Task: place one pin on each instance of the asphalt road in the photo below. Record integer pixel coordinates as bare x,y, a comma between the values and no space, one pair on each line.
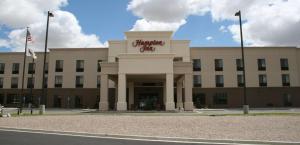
27,137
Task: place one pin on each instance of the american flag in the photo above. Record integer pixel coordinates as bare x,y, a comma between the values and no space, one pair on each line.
29,38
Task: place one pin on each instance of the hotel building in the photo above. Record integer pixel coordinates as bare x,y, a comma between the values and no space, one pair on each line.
151,71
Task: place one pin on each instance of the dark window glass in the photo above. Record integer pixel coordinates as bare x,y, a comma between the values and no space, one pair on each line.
219,81
14,82
15,68
79,81
240,80
99,66
218,65
46,82
261,64
58,81
59,65
263,80
1,82
220,99
196,64
2,68
199,100
30,82
31,68
79,65
197,81
284,64
98,81
285,79
239,65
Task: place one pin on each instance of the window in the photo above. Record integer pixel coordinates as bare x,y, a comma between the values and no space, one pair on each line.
15,68
98,81
285,79
14,82
2,68
46,68
30,82
177,59
197,80
219,81
1,82
284,63
46,82
218,64
261,64
58,81
59,65
240,79
263,80
99,66
196,65
79,81
239,65
31,68
79,65
220,99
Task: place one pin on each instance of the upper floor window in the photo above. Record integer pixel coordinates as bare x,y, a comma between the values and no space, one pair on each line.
197,80
196,64
14,82
58,81
239,65
177,59
98,81
79,81
218,64
99,66
284,63
30,82
15,68
240,80
59,65
263,80
219,81
261,64
2,68
1,82
285,79
79,65
31,68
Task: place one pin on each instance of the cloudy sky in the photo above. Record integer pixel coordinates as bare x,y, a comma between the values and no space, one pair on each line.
91,23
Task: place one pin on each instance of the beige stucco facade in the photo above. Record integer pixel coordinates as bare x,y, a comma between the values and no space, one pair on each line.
153,64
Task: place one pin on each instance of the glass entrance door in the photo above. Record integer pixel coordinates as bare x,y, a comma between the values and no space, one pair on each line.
148,101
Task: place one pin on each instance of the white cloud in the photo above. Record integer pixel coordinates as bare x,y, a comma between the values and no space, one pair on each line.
208,38
165,14
64,28
223,29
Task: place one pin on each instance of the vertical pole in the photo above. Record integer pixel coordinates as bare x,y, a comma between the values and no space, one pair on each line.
31,96
245,106
44,93
24,65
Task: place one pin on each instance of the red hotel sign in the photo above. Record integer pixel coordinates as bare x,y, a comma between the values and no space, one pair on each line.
147,45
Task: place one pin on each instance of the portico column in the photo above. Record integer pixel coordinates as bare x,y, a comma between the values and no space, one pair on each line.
179,94
170,92
103,104
188,92
122,105
131,95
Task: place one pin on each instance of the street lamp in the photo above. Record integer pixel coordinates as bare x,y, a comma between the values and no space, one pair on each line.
44,93
245,106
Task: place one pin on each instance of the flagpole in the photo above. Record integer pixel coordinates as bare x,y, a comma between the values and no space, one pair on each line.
24,65
31,86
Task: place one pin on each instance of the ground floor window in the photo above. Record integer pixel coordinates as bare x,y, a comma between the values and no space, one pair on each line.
199,100
57,101
1,99
287,100
220,99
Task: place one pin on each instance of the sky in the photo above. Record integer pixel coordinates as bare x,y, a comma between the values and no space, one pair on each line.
91,23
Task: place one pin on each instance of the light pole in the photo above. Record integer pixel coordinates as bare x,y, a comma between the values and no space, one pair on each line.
44,93
245,106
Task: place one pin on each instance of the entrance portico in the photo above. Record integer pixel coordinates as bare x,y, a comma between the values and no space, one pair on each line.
148,57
